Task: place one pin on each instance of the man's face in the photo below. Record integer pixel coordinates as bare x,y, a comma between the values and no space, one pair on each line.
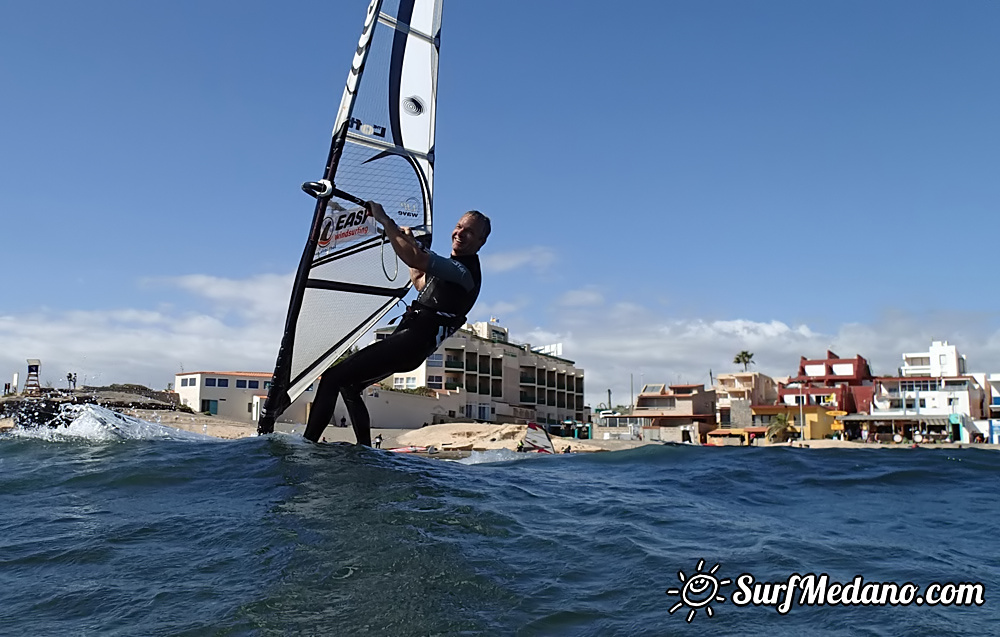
466,238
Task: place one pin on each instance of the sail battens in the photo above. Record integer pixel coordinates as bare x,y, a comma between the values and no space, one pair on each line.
389,21
382,150
375,144
343,286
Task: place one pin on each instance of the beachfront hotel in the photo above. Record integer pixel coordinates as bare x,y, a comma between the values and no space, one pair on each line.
476,374
500,381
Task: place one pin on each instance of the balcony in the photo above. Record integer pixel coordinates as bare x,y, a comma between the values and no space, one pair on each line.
527,379
453,386
527,399
471,366
453,363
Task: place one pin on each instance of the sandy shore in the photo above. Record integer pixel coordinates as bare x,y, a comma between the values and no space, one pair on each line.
459,437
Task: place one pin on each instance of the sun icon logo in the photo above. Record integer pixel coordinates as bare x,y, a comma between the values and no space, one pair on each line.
699,591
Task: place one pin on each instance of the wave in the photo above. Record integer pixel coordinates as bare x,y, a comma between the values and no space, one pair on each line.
98,424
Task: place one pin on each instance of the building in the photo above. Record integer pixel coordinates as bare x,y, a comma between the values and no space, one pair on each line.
818,421
502,381
841,384
231,395
921,409
240,396
751,388
941,360
933,399
678,413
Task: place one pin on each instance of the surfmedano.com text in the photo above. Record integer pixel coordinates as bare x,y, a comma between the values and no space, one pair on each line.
818,590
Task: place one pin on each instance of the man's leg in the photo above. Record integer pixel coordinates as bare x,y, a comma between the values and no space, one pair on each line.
401,350
323,406
360,419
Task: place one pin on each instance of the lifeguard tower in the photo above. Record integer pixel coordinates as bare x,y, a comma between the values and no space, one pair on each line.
31,385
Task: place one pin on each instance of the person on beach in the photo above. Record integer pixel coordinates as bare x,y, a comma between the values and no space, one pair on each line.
378,441
448,288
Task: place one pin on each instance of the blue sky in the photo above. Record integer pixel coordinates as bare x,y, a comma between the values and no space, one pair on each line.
670,182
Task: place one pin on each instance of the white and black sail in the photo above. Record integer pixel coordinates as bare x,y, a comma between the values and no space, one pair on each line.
537,439
382,150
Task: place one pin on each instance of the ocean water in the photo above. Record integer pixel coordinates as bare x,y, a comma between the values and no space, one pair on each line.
114,526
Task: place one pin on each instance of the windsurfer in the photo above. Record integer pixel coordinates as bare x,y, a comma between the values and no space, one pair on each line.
448,288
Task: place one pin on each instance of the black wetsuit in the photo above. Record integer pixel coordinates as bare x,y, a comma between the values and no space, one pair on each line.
451,289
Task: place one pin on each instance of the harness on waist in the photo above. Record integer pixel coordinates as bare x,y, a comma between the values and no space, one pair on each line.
418,310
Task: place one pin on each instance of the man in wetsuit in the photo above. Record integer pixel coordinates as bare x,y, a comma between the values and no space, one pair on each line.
448,288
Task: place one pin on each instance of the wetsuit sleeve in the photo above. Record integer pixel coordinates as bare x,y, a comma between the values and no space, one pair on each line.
450,270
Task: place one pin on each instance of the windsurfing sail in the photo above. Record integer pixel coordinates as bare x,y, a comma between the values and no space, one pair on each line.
382,150
537,439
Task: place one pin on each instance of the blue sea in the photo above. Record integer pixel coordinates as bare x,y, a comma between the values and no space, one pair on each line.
114,526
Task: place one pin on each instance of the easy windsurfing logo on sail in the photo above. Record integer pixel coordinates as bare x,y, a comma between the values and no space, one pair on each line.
338,227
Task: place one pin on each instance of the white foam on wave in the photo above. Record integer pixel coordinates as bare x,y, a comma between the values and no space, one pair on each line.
99,424
496,455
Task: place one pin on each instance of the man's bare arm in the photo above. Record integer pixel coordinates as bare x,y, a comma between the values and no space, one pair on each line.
402,242
418,278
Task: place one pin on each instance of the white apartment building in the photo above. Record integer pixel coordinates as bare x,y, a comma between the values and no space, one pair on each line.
935,407
233,395
942,360
501,381
241,395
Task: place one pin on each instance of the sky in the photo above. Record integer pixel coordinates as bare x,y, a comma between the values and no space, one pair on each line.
670,183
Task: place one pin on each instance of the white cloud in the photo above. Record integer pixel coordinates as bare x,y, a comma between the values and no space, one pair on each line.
580,298
621,339
610,339
536,257
150,346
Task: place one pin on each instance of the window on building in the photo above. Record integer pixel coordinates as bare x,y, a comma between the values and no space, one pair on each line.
952,402
253,384
184,382
397,382
223,382
250,408
267,384
209,382
435,360
435,382
241,384
411,382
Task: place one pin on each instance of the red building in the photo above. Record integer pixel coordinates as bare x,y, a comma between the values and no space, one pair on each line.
842,384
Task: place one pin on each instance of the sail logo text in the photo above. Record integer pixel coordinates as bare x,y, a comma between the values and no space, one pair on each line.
343,226
359,54
409,208
366,129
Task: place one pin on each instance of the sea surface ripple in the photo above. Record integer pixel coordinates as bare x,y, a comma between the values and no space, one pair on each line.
141,532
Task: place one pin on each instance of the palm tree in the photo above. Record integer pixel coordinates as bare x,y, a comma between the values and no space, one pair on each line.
744,358
780,424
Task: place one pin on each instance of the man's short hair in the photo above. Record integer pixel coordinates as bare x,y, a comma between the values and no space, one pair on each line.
482,220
